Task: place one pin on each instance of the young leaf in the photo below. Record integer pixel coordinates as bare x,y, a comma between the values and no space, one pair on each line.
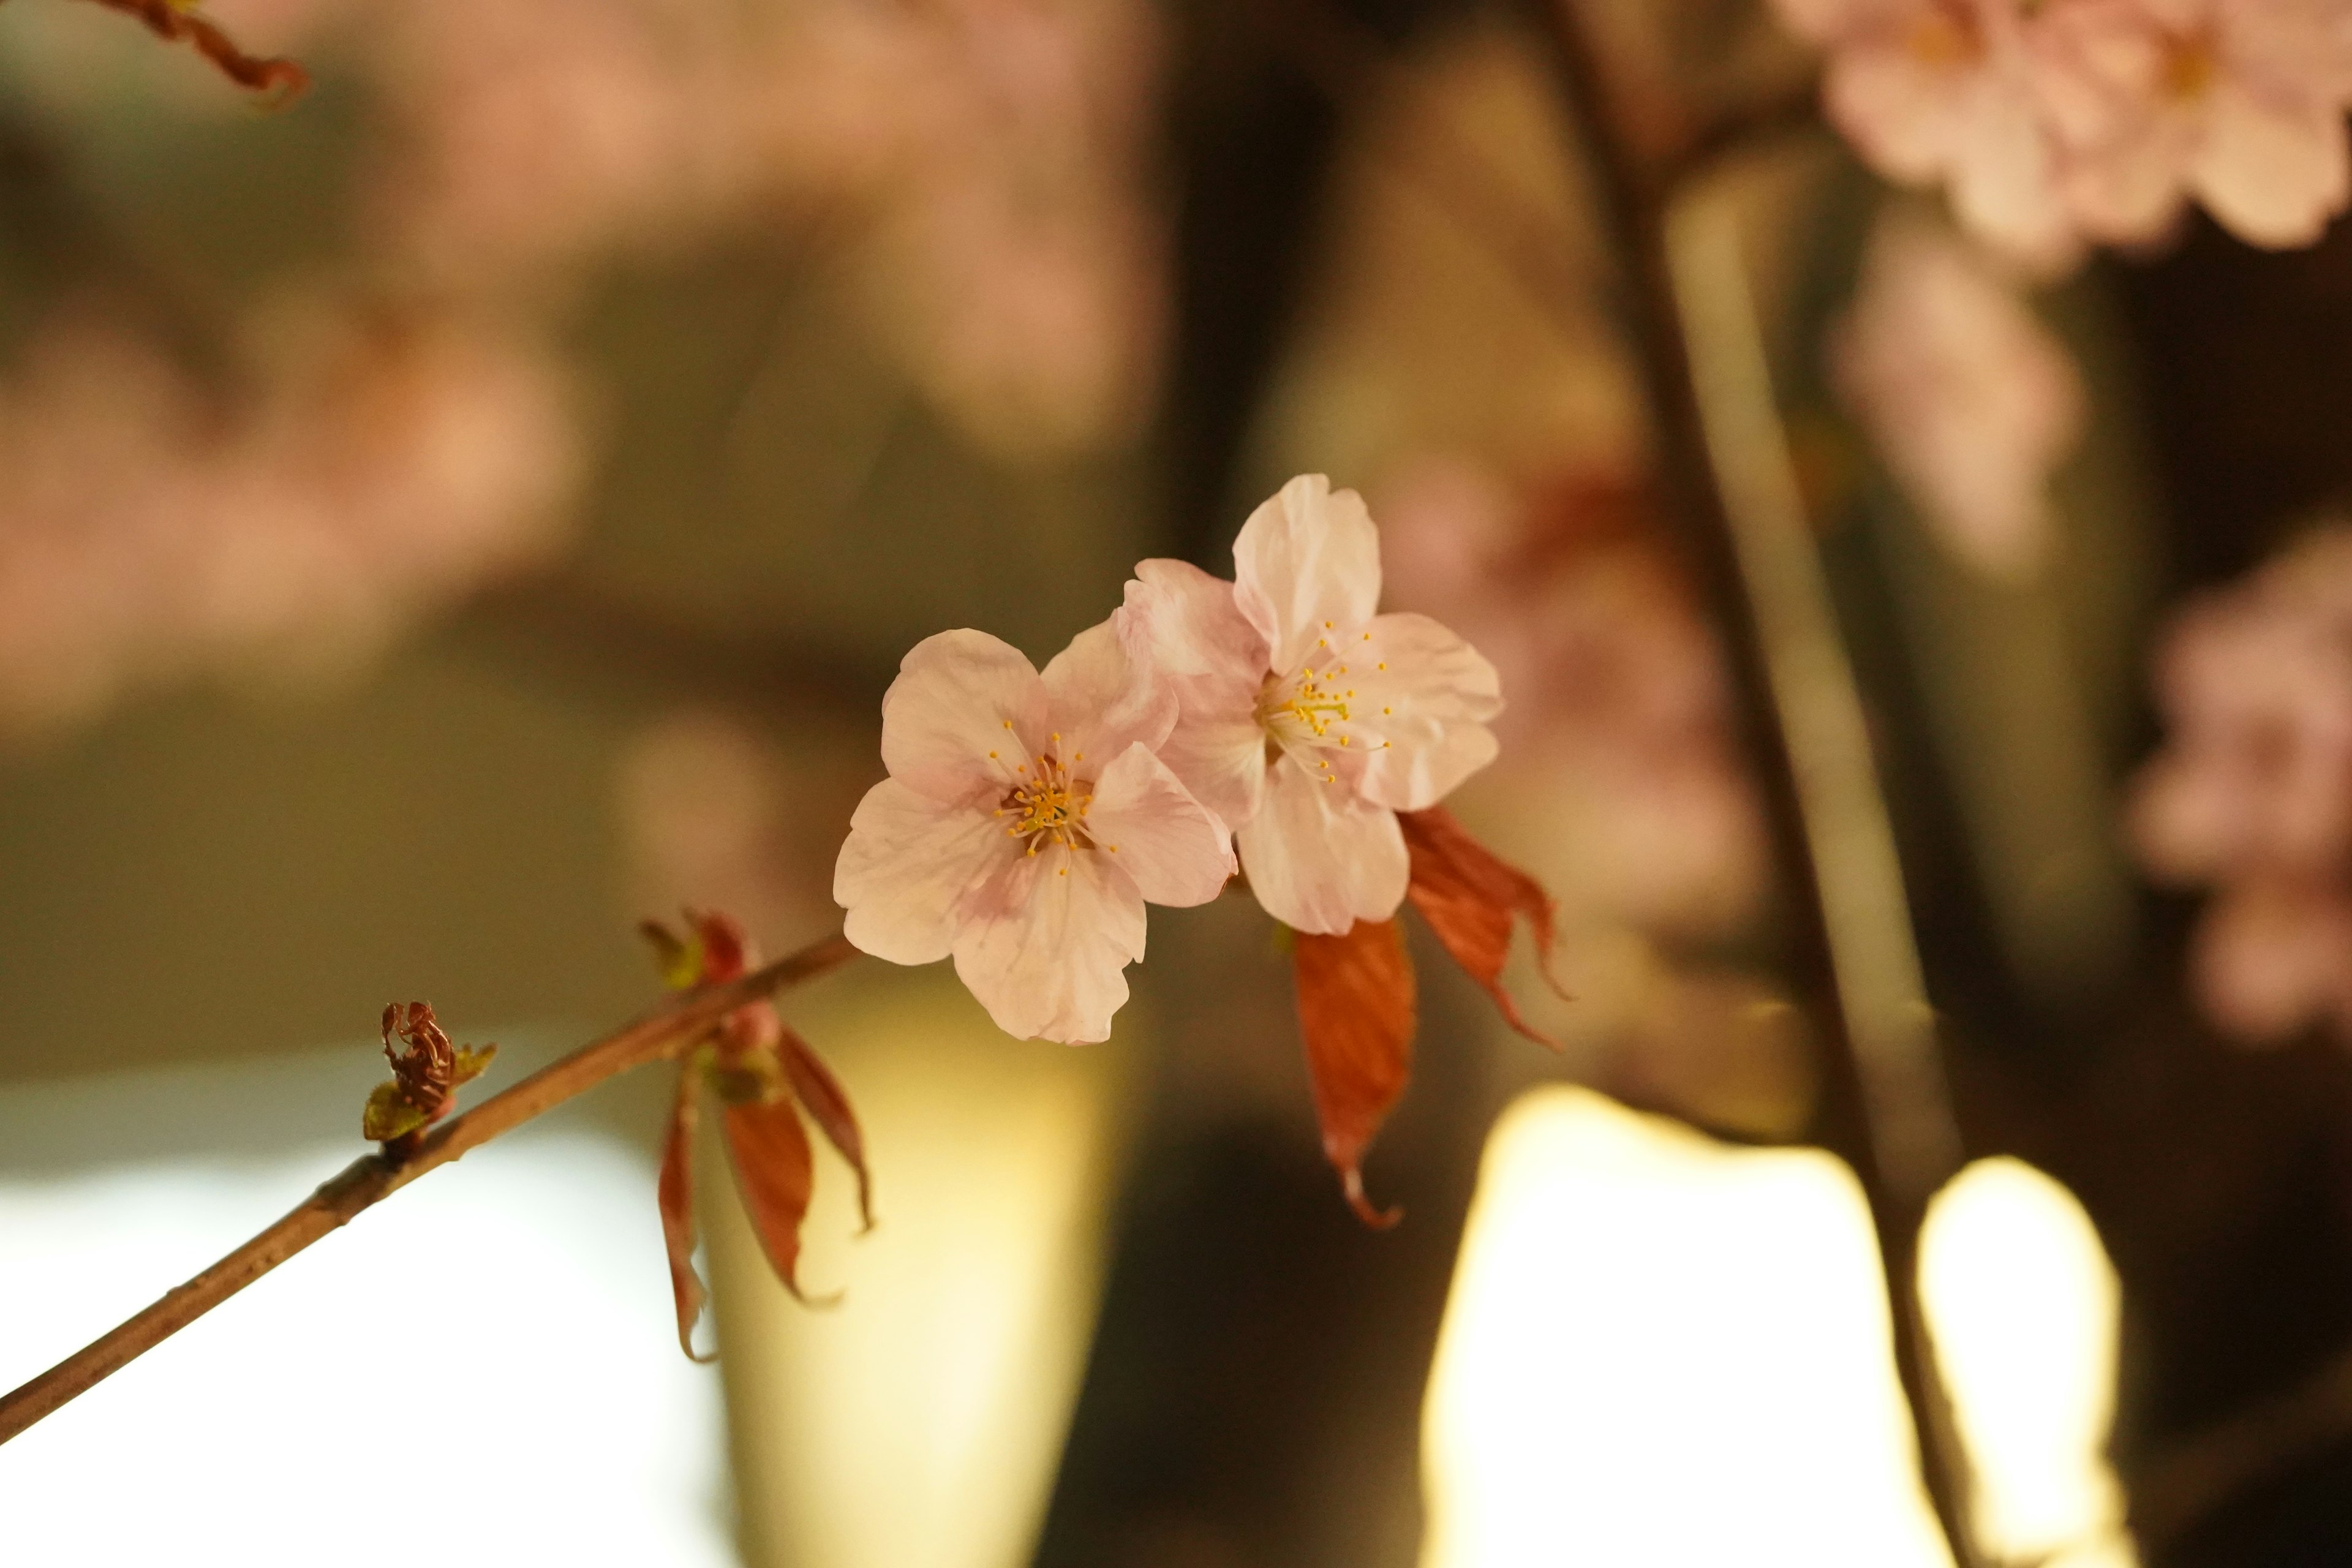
821,1095
1469,896
1355,1015
675,1193
774,1172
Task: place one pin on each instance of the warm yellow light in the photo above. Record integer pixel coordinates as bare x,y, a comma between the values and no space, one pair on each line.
922,1422
2024,1306
1662,1352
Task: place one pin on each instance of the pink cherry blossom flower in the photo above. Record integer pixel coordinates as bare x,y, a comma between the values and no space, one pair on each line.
1308,721
1971,401
1946,91
2252,792
1024,825
2237,103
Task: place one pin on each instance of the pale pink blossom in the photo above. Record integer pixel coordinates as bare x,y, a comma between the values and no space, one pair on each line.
1971,401
2252,791
1308,720
2238,104
1024,825
152,528
1946,92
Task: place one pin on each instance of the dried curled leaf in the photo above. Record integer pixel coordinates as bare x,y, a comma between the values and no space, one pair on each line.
821,1096
181,24
675,1193
1356,1013
775,1174
1469,896
759,1069
425,1077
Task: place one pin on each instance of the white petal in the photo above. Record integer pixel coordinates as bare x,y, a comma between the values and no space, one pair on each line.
1220,756
1187,624
907,863
1100,701
2273,174
1421,719
1308,556
965,708
1046,943
1320,856
1172,846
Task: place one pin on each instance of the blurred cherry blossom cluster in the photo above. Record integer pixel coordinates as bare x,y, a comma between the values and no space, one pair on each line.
1971,401
2055,124
979,165
974,167
2252,793
152,527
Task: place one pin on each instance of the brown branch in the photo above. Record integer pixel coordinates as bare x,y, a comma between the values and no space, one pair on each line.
1885,1110
282,78
2189,1481
371,1178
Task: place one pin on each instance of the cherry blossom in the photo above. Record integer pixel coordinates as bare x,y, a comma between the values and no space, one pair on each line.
1946,92
1308,721
2252,792
1024,825
2237,103
1973,402
150,527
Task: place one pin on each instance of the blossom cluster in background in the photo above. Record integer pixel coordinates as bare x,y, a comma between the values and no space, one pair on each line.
152,527
2252,793
2055,124
975,169
1970,400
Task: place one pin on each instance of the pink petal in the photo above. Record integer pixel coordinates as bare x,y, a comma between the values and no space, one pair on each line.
961,697
1099,701
1422,697
1187,622
1320,856
1306,560
906,864
1171,844
1045,945
2272,173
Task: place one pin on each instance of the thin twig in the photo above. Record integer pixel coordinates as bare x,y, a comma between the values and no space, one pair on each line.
371,1178
1635,198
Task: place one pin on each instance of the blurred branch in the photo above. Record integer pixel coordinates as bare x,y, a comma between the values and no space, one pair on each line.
174,23
371,1178
1742,128
1886,1110
576,634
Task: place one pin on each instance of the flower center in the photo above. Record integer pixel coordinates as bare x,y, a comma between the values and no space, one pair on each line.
2190,64
1944,37
1049,805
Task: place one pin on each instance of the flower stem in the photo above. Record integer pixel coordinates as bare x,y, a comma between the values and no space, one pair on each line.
371,1178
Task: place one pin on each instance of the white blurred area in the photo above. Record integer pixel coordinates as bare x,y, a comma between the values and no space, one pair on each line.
920,1424
482,1373
1660,1351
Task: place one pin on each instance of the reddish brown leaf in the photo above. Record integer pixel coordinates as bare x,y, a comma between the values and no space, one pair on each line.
821,1096
178,25
1355,1015
1469,896
775,1173
675,1194
425,1077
